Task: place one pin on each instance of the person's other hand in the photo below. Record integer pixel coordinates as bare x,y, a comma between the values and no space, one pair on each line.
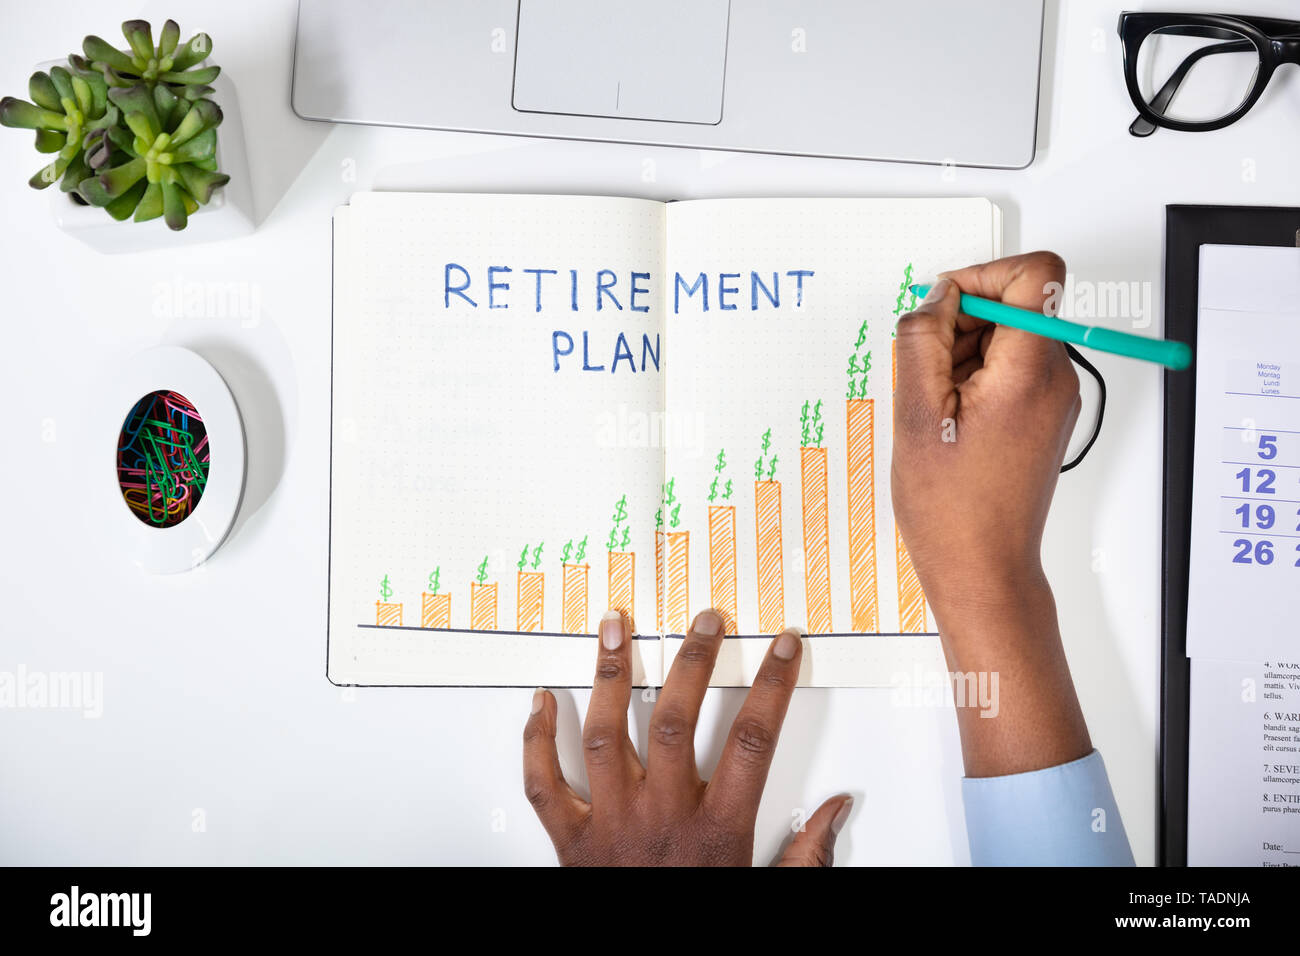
663,813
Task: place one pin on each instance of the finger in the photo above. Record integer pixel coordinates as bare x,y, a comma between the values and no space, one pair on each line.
734,791
1032,281
814,845
612,764
925,341
557,806
671,776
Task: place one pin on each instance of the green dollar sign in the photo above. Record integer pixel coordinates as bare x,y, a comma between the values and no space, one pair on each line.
627,537
866,363
620,511
612,543
726,495
523,558
771,473
767,440
482,570
820,429
713,490
537,556
434,578
582,550
722,461
564,552
676,516
385,591
853,364
758,468
862,335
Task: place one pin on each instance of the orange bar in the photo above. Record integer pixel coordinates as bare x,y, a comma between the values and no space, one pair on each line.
530,589
816,540
622,585
861,457
388,615
771,573
722,563
482,606
435,610
659,581
576,601
678,602
911,600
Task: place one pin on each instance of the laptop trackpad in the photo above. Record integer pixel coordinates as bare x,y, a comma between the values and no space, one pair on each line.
629,59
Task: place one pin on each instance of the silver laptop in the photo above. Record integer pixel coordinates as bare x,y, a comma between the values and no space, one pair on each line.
926,81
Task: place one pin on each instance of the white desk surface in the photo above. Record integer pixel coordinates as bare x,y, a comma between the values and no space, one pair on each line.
226,715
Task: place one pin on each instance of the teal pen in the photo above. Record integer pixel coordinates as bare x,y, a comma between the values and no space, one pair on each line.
1174,355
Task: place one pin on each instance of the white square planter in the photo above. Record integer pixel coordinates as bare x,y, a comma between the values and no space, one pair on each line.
227,215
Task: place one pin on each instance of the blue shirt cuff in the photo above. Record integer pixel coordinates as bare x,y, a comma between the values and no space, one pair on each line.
1059,816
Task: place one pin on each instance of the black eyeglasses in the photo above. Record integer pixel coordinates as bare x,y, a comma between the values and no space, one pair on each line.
1192,72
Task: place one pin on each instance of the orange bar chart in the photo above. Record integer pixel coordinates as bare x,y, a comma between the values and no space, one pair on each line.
659,580
677,602
722,564
529,592
482,606
622,584
861,459
576,600
816,539
771,573
388,615
435,610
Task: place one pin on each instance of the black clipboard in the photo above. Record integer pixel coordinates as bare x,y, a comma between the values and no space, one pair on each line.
1187,228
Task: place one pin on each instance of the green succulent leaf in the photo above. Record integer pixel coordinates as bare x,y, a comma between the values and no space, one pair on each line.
20,114
98,50
62,81
139,34
41,89
171,34
49,174
121,207
49,141
196,50
118,180
203,115
81,92
195,92
191,77
151,202
173,206
203,146
200,183
166,102
77,171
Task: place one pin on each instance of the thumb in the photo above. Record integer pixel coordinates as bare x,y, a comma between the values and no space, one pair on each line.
814,845
924,341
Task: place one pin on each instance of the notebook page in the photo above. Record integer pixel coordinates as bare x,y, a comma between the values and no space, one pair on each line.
784,395
1244,581
495,460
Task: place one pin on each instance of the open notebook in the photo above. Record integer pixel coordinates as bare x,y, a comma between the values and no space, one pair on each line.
546,406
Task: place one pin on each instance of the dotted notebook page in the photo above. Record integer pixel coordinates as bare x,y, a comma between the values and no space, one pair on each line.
782,328
1244,583
496,467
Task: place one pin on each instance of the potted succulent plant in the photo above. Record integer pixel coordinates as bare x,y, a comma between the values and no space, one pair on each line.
134,135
